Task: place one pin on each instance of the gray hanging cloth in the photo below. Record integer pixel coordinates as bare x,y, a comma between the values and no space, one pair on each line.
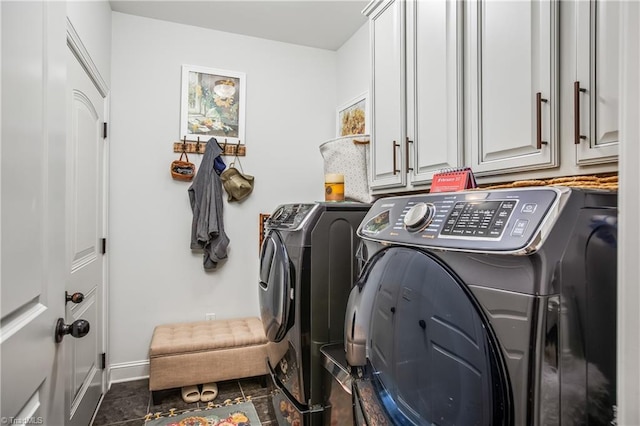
205,195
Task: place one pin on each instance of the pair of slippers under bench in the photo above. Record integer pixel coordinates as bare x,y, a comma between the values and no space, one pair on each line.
194,394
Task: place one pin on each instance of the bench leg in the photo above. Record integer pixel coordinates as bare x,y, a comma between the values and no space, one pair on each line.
155,397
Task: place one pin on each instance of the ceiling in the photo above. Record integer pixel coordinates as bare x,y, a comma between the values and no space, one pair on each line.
325,24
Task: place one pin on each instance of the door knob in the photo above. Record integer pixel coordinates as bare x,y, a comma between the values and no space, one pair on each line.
78,328
75,297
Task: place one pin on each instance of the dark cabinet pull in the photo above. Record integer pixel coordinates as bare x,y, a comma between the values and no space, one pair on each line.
395,145
539,101
407,153
577,137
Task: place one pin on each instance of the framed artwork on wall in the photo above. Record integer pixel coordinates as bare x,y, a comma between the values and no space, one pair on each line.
213,104
353,117
262,224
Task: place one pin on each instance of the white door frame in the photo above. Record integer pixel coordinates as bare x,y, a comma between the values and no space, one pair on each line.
628,388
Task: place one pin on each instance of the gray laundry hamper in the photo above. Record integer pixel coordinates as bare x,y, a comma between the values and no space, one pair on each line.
349,156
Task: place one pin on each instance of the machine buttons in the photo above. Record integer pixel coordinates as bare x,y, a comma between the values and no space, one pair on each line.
485,218
495,233
529,208
419,216
519,228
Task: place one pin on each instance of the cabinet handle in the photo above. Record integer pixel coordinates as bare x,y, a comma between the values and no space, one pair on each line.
576,113
539,101
395,145
407,153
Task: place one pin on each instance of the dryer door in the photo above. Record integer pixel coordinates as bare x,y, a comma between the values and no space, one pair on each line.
275,286
434,356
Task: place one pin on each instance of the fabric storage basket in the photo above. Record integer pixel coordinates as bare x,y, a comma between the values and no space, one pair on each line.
349,156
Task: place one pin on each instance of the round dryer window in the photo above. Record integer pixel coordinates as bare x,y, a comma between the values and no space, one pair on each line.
435,356
274,287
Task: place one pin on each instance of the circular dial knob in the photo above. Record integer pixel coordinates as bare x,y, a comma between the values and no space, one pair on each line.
419,216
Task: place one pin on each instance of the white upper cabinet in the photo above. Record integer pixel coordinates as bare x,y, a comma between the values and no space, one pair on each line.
511,75
416,100
596,103
477,83
388,102
434,80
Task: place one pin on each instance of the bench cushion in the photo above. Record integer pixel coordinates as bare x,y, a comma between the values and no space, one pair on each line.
201,336
206,351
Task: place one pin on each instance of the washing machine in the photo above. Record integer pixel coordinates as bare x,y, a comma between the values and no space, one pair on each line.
308,265
492,307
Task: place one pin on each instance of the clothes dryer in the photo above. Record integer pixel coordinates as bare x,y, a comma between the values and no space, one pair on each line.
307,268
486,308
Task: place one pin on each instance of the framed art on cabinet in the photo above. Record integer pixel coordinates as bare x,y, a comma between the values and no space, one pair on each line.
353,117
213,104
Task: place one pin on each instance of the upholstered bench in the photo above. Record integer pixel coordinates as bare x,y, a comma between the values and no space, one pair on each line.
206,351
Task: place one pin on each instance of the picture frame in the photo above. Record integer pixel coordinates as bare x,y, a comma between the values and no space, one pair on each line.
353,117
212,104
262,225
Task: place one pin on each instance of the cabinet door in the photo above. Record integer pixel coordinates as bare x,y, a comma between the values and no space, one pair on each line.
388,102
434,82
512,74
596,92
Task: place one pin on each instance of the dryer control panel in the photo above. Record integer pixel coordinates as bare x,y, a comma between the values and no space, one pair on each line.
290,216
506,221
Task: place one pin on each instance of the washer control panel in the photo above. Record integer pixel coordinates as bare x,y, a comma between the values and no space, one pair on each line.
290,216
500,220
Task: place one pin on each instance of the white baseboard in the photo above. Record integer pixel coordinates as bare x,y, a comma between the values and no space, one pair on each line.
127,371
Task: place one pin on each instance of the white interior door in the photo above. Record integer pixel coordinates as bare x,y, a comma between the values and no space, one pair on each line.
32,211
84,202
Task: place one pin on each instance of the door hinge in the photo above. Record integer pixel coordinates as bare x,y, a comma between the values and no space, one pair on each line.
104,130
104,245
103,360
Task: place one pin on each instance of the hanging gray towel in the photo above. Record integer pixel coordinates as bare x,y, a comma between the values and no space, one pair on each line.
205,195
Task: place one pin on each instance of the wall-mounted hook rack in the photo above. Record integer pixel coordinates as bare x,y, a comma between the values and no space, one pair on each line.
228,149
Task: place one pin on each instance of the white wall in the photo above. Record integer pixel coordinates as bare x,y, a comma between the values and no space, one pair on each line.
92,22
154,276
354,66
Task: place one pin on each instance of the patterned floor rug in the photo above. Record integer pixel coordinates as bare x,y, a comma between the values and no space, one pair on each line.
240,414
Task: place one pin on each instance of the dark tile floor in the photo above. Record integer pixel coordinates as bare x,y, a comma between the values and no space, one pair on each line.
127,403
